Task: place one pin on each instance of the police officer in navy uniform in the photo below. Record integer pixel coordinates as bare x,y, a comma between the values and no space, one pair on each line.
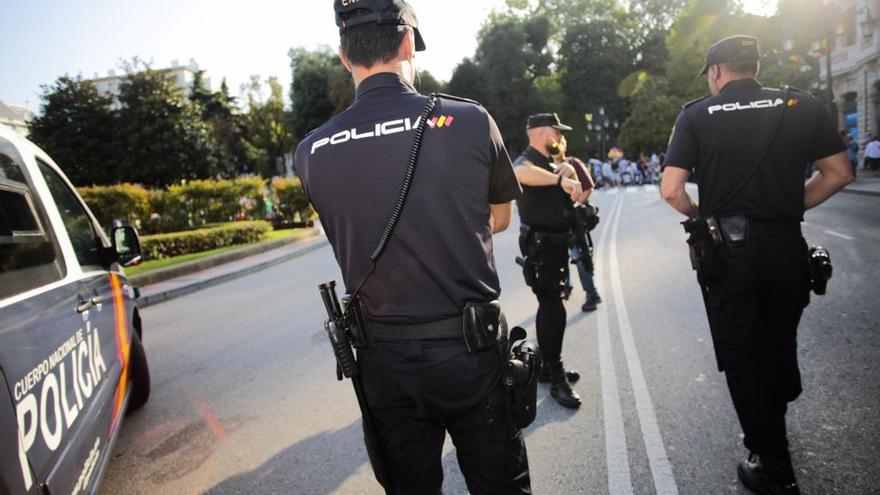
747,146
545,210
420,379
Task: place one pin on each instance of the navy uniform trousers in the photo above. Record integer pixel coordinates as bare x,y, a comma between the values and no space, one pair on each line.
754,309
417,390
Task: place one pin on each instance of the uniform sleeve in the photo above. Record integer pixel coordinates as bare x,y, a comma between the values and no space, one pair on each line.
826,139
503,185
682,150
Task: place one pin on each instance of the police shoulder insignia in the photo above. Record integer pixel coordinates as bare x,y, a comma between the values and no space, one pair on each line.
456,98
694,101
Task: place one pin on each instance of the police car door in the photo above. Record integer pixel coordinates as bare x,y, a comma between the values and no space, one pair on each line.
38,300
101,340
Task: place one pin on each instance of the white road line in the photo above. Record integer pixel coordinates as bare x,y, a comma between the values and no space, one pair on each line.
661,469
838,234
616,456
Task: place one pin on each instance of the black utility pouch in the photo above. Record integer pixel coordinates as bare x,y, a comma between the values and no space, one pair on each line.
483,326
735,231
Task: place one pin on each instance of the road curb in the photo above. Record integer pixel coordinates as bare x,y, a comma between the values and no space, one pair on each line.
145,301
862,192
188,268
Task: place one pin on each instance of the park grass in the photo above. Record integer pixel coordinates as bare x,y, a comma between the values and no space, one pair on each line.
152,265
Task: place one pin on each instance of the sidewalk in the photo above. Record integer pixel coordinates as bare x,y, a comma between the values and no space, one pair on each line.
187,284
867,182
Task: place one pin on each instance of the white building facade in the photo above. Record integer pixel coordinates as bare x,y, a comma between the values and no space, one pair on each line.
855,66
15,117
182,75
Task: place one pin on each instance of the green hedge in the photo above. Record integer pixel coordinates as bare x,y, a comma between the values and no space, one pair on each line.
198,203
161,246
126,202
292,203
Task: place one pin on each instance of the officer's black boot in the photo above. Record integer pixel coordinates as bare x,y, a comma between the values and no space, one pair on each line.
572,375
768,475
560,388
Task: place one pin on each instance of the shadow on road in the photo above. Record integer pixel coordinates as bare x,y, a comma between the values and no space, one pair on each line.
317,465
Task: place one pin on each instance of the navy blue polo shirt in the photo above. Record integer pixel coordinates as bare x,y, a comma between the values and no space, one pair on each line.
720,138
440,255
545,208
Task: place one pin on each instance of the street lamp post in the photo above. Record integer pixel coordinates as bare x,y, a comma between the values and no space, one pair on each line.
602,124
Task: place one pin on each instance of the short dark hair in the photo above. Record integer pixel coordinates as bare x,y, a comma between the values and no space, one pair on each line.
370,43
742,67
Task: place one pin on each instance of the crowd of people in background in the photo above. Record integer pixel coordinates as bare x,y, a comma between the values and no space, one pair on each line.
871,147
617,170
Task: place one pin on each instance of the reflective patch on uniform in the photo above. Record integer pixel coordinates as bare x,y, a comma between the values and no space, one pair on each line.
752,105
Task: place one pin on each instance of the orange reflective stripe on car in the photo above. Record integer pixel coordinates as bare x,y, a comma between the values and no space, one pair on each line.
123,346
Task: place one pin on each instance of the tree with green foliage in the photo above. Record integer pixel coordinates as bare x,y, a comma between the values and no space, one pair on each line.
220,111
267,131
76,126
321,88
593,59
511,55
163,138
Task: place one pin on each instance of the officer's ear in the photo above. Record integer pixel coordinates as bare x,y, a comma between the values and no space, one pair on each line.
407,48
345,62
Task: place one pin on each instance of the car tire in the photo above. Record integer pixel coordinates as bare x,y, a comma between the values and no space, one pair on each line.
139,372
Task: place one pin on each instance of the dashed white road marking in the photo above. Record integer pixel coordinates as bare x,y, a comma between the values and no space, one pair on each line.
838,234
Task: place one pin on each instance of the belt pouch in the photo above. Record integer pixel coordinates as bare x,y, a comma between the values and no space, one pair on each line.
735,230
483,326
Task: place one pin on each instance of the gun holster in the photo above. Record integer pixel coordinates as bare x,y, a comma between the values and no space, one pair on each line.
704,241
357,325
531,267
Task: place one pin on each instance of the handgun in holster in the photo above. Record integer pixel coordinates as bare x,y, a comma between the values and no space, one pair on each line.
704,241
346,327
485,327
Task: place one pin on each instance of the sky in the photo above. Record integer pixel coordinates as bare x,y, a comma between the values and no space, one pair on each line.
44,39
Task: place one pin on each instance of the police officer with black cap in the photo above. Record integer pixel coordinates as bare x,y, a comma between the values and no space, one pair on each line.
417,257
545,210
747,146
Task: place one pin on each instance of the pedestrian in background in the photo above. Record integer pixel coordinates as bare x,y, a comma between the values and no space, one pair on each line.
852,150
872,153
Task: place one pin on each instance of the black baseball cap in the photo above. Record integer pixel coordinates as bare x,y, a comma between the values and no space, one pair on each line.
396,12
546,120
739,48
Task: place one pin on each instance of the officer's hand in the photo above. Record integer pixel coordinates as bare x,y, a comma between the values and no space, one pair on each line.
566,170
572,187
583,197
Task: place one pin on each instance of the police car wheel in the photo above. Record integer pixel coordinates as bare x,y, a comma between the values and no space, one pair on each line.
140,375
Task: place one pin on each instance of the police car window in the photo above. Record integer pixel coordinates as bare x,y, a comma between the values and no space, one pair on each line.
29,254
79,225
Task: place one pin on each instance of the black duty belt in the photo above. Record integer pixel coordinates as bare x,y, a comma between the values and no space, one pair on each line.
450,328
550,237
758,229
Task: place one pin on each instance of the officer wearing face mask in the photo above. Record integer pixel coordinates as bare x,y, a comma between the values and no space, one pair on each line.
549,193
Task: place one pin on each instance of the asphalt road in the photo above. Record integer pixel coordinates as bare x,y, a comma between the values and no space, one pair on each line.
245,398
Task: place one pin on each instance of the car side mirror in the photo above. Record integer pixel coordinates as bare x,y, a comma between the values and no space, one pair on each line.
126,246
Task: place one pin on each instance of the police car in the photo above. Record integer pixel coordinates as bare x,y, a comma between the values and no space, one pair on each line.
71,359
